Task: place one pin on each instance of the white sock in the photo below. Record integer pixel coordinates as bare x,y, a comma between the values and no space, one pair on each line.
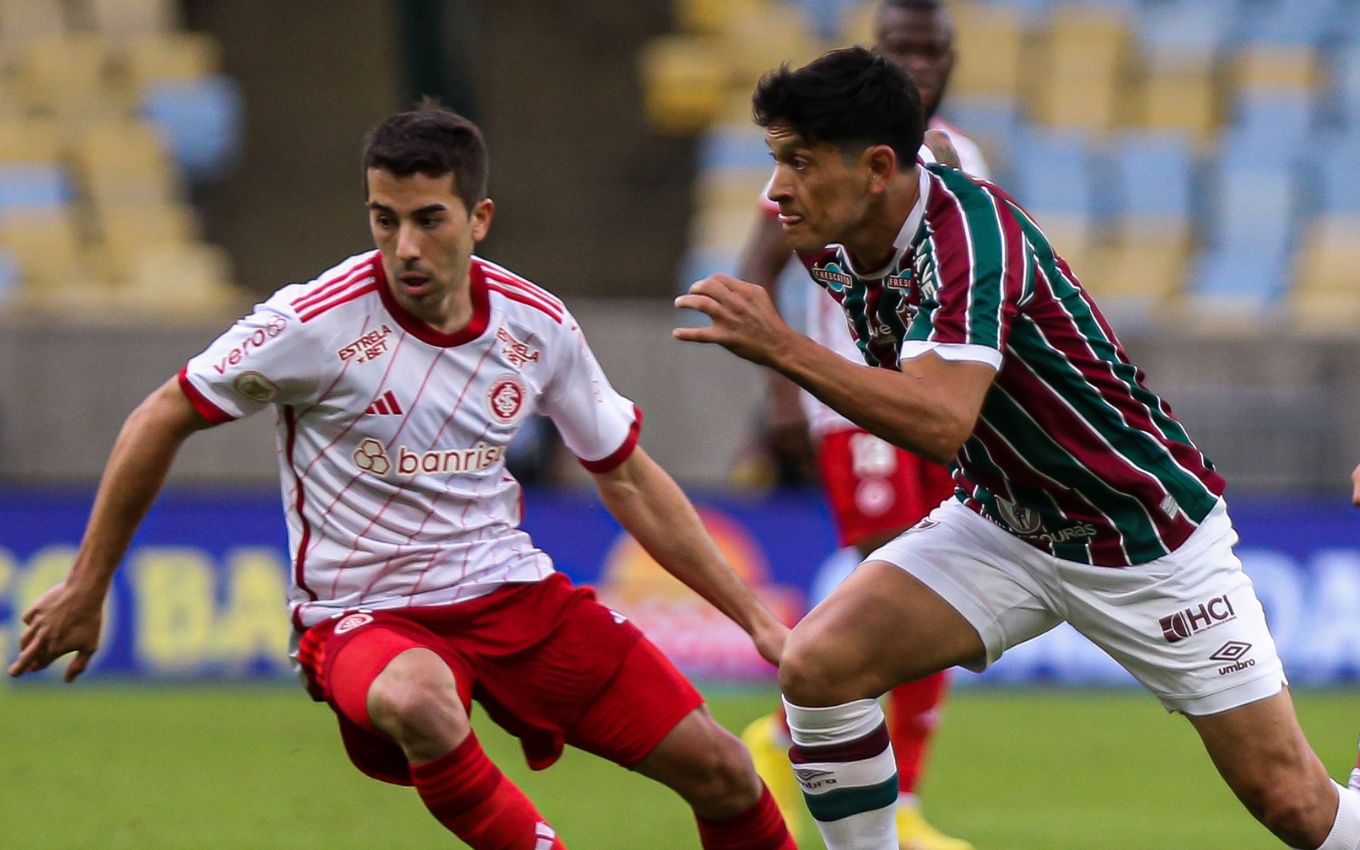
1345,834
844,763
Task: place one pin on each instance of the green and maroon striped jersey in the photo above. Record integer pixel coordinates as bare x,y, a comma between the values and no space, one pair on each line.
1071,453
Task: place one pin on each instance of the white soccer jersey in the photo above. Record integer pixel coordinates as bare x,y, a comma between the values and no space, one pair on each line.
825,320
392,436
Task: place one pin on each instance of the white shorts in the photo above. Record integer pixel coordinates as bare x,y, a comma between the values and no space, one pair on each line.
1188,625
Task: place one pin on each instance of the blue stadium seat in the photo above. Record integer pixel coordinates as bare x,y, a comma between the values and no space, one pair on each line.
1154,175
1187,28
1294,22
733,146
1243,277
1269,128
1344,95
992,121
1055,171
27,185
1338,174
201,120
1256,210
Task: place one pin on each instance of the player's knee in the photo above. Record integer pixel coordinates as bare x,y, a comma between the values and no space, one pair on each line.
809,674
724,780
417,705
1294,811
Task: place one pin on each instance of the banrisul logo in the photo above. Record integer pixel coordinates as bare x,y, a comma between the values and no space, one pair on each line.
832,276
1192,621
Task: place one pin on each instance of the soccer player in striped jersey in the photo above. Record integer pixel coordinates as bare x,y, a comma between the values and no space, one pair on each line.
875,489
399,377
1078,495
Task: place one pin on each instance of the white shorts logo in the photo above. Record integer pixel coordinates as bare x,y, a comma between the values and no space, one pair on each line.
1024,520
350,622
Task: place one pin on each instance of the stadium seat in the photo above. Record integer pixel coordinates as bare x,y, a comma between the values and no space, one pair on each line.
734,146
1054,172
1255,211
22,21
711,17
48,247
24,139
857,23
180,56
730,189
123,18
1338,174
990,45
1235,286
1137,277
33,186
1186,33
684,79
1288,67
759,39
68,76
200,119
180,278
125,231
1181,98
1325,294
1153,181
125,163
1294,23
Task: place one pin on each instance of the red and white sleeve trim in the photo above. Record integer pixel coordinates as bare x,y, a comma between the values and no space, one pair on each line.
201,403
613,460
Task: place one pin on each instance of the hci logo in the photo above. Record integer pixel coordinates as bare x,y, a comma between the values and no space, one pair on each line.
1191,621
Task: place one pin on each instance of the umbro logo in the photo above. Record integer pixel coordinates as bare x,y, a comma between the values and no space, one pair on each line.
385,405
811,777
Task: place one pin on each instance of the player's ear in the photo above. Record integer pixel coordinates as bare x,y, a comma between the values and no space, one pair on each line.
881,162
482,213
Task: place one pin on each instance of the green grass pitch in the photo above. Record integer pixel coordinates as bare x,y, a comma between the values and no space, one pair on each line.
100,767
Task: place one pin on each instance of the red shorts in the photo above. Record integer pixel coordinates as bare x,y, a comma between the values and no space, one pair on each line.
874,487
548,663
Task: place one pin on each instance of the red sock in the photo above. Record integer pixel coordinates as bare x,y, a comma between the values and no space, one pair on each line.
760,827
911,719
476,802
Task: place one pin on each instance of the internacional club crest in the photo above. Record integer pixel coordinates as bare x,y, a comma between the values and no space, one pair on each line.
505,399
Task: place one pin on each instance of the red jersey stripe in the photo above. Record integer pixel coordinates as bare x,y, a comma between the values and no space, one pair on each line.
201,403
344,298
524,298
506,276
622,453
299,565
325,289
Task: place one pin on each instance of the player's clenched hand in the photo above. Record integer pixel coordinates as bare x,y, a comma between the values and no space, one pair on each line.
1355,485
745,320
65,619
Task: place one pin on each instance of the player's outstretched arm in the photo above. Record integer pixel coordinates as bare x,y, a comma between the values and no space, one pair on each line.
651,506
1355,487
929,407
67,618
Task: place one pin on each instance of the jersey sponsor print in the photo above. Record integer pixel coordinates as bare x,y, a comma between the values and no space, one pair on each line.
392,435
1072,452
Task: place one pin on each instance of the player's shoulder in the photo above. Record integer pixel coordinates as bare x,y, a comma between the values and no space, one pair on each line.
344,283
518,300
971,159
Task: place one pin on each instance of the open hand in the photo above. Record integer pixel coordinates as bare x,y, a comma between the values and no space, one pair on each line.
64,619
745,320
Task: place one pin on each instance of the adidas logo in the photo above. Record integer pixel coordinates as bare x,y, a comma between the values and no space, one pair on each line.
385,405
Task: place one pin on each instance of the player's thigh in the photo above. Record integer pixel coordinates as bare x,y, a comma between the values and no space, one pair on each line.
952,590
646,700
1188,626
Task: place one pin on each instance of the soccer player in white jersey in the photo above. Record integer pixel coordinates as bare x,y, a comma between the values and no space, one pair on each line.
399,376
875,490
1079,496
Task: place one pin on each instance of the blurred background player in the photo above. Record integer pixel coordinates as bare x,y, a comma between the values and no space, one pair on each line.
875,489
400,376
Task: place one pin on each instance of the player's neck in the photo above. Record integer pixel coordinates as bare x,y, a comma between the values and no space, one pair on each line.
448,315
873,243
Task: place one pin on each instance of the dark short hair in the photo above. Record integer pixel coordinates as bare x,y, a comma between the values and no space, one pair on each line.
432,141
849,98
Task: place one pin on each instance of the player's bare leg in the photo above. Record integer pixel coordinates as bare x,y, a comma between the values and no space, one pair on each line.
415,701
1261,752
879,628
707,766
